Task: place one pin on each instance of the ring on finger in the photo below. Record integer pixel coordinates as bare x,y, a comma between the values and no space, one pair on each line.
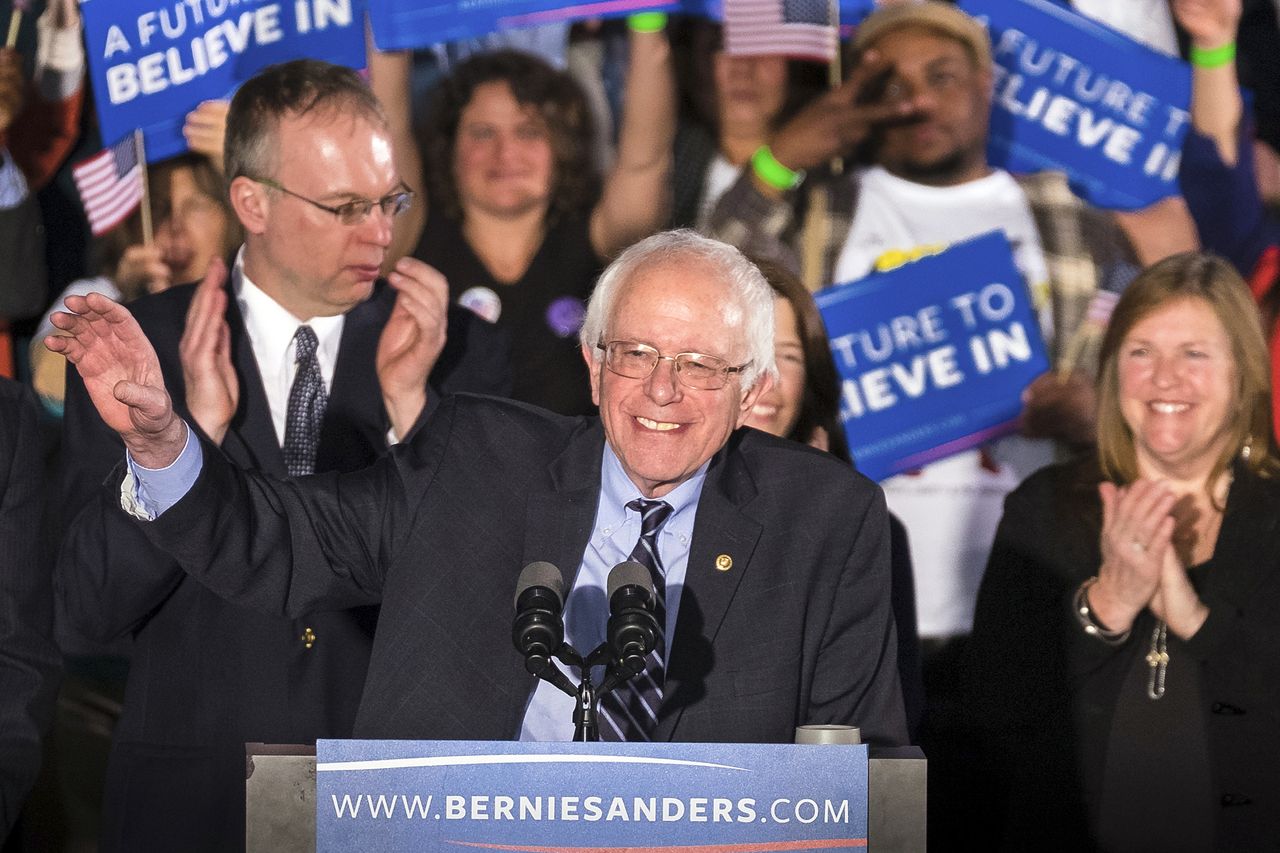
1137,546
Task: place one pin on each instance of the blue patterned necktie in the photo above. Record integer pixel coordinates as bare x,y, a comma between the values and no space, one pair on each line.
630,712
307,402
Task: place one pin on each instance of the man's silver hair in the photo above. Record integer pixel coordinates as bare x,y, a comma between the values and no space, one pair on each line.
752,311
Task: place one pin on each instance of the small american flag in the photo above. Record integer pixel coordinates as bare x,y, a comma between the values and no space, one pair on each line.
110,184
801,29
1100,307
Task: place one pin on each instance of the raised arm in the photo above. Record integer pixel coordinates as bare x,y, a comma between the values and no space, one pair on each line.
389,78
637,192
1216,106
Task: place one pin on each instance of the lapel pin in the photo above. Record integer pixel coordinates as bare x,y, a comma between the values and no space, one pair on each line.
724,563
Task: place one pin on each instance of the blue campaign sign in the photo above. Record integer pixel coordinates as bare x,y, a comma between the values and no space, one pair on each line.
408,24
443,795
933,356
153,61
1073,95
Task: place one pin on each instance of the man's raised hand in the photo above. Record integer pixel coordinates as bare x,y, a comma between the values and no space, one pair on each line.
122,375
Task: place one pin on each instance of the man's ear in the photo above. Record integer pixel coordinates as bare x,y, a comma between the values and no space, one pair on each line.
593,370
763,383
249,201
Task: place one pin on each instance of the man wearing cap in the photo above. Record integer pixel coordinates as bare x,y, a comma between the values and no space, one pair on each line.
918,101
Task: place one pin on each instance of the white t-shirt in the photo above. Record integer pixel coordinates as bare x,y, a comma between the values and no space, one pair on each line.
951,508
721,174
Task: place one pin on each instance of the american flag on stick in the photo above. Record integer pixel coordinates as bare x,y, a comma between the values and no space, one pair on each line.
111,184
15,19
801,29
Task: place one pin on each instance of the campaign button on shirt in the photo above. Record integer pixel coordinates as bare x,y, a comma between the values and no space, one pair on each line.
483,302
565,316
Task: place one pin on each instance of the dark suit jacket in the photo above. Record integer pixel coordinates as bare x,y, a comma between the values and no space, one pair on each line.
207,676
798,630
29,661
1045,693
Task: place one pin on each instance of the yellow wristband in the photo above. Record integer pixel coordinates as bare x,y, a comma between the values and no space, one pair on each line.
767,168
1214,57
647,22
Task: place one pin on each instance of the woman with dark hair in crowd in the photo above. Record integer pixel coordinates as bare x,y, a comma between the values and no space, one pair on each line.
731,106
804,405
194,224
1126,648
518,219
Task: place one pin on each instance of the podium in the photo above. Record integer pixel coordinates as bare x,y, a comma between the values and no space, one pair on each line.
280,798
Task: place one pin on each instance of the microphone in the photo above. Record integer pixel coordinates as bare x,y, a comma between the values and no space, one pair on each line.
633,630
538,630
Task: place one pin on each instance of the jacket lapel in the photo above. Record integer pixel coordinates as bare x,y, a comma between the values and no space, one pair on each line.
558,520
251,440
354,431
721,530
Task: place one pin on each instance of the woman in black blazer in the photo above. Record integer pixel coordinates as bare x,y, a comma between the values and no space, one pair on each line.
1125,659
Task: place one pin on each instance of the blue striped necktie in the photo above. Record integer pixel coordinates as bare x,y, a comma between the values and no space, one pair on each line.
630,712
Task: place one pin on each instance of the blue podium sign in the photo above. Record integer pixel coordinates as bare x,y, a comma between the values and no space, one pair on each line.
444,795
933,356
153,62
1072,95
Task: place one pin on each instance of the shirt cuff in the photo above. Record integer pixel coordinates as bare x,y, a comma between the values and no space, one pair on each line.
13,185
146,493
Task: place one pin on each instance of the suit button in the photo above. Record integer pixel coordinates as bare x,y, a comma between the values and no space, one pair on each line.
308,638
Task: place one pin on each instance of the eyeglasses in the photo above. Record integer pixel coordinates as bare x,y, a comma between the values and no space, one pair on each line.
354,212
636,361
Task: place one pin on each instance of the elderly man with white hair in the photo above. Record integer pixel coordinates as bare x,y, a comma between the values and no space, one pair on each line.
770,559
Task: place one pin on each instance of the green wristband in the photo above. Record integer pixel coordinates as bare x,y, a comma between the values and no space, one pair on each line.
767,168
1215,57
647,22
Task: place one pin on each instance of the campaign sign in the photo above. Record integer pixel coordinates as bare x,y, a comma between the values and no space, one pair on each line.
153,61
1072,95
445,795
408,24
933,356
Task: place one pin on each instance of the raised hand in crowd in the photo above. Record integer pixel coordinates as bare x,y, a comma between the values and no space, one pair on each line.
836,123
142,269
1061,407
1137,539
205,130
412,340
122,375
213,391
12,86
1216,106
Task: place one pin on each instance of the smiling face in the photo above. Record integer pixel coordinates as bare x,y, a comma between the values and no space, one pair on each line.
778,409
661,429
1177,381
943,140
503,161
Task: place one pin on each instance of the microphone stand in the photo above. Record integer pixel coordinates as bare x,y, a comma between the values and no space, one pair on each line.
586,725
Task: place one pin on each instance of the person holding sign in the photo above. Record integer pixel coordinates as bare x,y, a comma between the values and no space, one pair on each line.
295,360
775,557
518,222
1124,652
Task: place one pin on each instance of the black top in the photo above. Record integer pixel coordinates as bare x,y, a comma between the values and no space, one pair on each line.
542,311
1061,728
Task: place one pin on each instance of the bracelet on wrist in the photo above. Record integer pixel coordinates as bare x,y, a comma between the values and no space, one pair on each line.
647,22
767,168
1213,57
1089,622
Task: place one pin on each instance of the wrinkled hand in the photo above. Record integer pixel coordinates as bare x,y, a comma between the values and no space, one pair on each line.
205,129
1176,600
142,270
12,87
1137,536
836,123
122,375
1064,408
412,340
213,391
1210,23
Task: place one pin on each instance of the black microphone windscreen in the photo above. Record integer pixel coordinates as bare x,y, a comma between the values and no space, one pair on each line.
629,573
543,574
